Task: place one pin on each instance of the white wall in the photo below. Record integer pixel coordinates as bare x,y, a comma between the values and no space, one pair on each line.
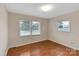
70,39
3,30
14,38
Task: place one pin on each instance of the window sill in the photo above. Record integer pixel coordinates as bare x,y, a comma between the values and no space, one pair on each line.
30,35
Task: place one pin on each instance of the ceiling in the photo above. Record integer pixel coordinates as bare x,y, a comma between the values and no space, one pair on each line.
33,9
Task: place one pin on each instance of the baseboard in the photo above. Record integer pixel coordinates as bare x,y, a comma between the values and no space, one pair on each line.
46,40
65,45
26,44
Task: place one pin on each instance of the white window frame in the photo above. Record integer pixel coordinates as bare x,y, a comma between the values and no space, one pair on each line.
29,28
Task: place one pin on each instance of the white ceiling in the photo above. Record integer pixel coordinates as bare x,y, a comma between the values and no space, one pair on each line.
33,9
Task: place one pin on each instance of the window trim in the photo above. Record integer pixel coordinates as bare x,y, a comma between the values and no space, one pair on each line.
30,28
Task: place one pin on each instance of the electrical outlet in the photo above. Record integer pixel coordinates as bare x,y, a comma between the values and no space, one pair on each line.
72,42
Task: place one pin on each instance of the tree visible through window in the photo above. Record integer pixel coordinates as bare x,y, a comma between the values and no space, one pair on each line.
35,28
64,26
24,28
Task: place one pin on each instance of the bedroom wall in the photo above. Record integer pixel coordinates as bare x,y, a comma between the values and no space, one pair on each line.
3,30
70,39
14,38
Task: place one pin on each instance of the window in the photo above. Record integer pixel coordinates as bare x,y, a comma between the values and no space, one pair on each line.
24,28
64,26
29,28
35,28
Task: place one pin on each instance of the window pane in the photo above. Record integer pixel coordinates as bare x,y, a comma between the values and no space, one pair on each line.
64,26
24,28
35,28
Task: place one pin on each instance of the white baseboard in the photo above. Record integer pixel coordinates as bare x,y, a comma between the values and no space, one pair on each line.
65,45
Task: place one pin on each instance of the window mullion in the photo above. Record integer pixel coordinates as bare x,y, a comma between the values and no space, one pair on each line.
31,28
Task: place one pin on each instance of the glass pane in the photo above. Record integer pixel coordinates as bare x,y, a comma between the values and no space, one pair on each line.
35,28
24,28
64,26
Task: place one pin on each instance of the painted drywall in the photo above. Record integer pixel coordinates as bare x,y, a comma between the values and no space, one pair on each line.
16,40
70,39
3,30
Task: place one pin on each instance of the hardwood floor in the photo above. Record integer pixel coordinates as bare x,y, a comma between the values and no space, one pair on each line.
43,48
